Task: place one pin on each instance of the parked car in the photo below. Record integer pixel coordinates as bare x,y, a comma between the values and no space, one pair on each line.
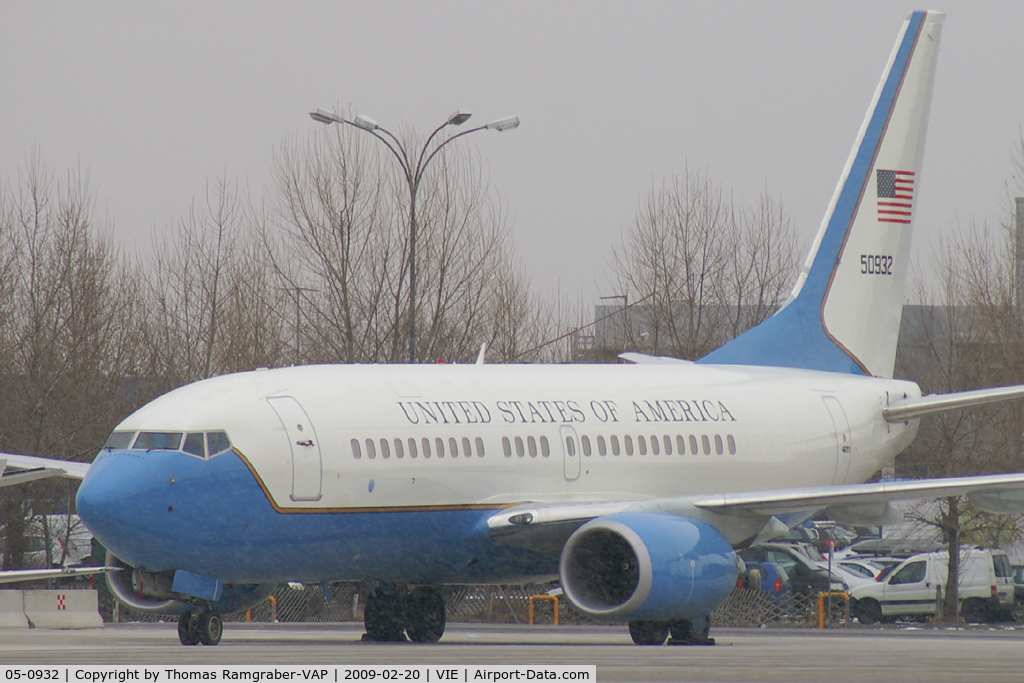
771,578
913,587
805,576
866,568
850,578
1017,612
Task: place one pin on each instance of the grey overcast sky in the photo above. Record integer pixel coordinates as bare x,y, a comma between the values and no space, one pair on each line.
153,99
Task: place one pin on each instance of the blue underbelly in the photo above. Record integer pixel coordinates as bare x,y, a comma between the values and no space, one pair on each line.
167,510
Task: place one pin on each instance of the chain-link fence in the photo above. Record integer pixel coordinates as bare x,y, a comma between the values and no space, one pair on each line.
307,602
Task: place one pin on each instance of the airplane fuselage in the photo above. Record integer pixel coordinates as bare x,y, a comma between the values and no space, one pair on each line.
390,472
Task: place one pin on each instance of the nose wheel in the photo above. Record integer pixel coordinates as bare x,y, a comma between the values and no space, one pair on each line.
196,627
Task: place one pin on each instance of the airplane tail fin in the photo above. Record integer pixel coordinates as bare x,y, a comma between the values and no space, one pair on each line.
844,312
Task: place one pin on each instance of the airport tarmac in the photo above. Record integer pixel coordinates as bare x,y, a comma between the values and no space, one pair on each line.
890,654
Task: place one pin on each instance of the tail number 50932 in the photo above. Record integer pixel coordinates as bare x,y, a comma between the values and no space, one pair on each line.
876,264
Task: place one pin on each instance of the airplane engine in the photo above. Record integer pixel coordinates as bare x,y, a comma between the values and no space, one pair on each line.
151,592
647,566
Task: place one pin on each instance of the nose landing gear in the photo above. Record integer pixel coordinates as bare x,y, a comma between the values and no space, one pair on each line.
200,626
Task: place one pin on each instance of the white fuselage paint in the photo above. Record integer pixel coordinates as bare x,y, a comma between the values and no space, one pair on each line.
785,432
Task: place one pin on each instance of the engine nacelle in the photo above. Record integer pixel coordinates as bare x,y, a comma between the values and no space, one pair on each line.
152,593
141,590
647,566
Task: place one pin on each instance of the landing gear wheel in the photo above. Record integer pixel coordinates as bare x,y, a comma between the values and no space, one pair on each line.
691,631
648,632
424,615
384,618
187,632
210,628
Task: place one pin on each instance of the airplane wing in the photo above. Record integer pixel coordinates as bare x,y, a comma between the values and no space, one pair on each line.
16,575
545,526
18,469
910,408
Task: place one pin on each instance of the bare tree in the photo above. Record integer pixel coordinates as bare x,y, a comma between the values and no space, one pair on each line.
339,234
968,339
68,332
706,269
212,307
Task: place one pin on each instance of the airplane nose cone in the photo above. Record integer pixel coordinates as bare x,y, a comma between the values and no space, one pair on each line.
113,500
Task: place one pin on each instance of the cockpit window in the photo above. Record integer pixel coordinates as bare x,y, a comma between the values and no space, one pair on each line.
158,441
118,441
194,445
218,443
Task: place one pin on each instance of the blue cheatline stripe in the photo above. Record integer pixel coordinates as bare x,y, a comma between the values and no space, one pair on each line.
796,337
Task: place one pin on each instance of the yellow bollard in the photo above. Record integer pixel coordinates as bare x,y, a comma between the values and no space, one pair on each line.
553,598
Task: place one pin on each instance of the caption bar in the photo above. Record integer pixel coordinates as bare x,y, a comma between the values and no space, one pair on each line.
313,674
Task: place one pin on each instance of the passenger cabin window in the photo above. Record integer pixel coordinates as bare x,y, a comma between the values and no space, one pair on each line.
680,445
399,450
520,450
641,443
412,448
439,446
158,441
545,448
426,447
531,445
655,447
627,442
706,443
385,450
371,450
615,444
585,443
693,445
453,447
719,449
356,452
668,445
506,446
466,450
119,441
479,447
732,444
570,445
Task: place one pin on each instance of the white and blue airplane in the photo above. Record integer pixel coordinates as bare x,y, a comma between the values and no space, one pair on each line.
629,484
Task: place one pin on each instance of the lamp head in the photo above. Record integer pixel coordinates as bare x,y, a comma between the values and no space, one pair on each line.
325,116
459,117
366,123
507,123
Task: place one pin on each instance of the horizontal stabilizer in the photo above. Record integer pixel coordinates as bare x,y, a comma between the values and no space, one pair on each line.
932,404
644,359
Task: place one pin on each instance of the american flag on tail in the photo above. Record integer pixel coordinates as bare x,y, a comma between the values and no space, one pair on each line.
895,196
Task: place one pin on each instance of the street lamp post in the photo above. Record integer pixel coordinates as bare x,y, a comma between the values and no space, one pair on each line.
413,176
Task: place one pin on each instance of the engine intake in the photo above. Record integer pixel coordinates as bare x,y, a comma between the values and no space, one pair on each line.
152,593
647,566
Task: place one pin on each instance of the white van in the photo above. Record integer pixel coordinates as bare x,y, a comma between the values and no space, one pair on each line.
913,588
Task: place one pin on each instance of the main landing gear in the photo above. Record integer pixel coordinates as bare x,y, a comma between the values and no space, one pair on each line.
200,626
684,631
391,614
